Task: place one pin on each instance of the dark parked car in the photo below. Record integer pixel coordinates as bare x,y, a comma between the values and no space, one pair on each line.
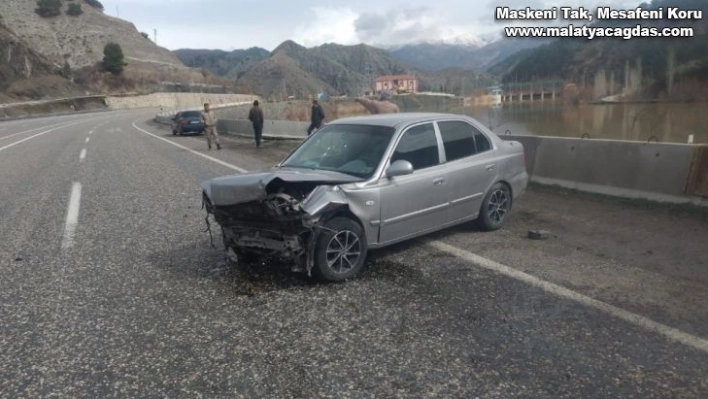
368,182
187,122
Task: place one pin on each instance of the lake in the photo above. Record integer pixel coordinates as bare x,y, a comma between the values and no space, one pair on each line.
662,122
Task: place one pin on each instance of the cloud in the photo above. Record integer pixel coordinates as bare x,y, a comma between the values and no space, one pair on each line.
402,25
328,25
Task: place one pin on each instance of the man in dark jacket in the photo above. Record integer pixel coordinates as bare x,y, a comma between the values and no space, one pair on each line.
316,118
256,117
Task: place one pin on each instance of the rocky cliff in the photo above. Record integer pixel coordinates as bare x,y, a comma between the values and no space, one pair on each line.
79,38
26,74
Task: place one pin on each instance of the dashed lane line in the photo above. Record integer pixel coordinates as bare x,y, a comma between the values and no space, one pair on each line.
82,155
72,216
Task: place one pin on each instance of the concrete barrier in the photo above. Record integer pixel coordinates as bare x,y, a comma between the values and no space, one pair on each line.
653,171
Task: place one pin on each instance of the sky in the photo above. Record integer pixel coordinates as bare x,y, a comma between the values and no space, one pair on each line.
239,24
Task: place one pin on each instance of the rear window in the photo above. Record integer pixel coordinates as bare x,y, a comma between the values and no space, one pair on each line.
191,114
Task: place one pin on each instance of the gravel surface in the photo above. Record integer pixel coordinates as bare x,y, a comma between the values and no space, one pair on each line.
144,306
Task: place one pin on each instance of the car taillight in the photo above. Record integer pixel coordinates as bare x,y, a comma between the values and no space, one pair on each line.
183,122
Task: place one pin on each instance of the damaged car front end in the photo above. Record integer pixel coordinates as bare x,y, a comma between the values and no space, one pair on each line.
277,213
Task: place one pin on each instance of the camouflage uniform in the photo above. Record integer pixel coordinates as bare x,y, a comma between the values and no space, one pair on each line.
209,120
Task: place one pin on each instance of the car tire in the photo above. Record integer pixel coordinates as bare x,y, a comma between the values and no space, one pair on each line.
179,132
174,132
495,208
340,251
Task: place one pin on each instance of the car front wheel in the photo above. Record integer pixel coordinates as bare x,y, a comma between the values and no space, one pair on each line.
340,251
495,208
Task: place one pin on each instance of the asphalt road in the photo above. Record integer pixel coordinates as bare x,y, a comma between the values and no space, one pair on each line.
109,287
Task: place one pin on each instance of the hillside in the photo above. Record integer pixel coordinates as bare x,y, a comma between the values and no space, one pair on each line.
80,39
294,70
24,74
222,63
437,56
642,68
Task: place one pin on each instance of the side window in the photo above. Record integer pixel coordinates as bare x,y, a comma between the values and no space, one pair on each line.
458,139
462,139
419,147
481,141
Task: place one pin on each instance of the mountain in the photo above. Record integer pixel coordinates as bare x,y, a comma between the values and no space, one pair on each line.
332,68
643,67
292,69
79,40
437,56
222,63
24,73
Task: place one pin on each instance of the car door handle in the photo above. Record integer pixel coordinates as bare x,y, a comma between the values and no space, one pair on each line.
439,180
491,167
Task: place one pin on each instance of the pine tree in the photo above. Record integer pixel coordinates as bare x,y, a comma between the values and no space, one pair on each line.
113,59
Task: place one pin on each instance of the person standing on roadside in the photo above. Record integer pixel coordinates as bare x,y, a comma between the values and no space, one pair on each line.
209,120
317,116
255,115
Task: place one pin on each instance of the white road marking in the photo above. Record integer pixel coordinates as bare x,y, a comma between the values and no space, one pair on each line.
72,216
87,139
31,130
82,155
36,135
220,162
90,132
633,318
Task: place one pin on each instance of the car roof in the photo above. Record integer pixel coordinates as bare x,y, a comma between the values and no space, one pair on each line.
396,119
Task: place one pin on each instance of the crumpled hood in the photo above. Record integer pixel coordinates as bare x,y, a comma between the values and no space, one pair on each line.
251,186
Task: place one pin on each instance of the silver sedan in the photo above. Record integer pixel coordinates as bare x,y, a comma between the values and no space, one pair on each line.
367,182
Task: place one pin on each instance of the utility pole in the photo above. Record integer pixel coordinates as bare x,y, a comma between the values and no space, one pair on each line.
369,70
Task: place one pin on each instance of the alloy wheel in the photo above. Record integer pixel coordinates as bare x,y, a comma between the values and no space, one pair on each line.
498,206
343,251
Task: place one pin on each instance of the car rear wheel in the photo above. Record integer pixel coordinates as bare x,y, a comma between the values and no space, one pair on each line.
340,251
495,208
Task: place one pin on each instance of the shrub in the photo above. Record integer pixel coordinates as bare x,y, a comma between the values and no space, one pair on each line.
48,8
74,9
65,70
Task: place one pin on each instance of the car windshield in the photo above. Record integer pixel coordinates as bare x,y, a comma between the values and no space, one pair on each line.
352,149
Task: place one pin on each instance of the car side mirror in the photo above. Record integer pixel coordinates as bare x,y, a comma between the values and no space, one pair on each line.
399,168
